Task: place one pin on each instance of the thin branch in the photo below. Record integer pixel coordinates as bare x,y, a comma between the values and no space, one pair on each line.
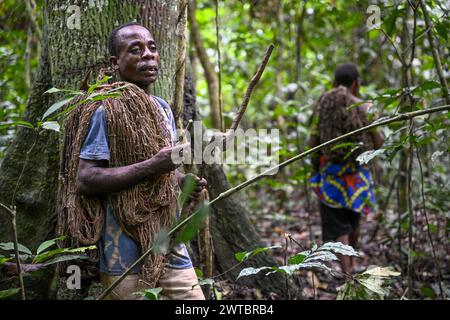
177,101
250,88
393,45
435,52
424,211
12,211
219,64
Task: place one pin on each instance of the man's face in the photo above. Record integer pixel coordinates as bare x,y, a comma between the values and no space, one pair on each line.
138,58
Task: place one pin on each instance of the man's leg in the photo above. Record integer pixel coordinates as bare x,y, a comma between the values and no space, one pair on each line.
346,261
177,284
124,290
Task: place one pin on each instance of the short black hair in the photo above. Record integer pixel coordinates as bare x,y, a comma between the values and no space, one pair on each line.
346,74
113,40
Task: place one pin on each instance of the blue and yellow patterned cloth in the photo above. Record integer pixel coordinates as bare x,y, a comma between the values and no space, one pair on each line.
347,185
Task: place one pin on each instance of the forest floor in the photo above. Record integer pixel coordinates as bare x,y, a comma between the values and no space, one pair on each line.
378,245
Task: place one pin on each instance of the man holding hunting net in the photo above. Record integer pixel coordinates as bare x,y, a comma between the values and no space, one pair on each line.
118,181
344,187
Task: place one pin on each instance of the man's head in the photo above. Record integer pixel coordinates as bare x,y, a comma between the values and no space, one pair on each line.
347,75
134,55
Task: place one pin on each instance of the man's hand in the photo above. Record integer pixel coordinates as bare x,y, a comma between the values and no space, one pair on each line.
200,184
170,158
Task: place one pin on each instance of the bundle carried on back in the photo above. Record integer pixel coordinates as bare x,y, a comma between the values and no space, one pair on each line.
336,119
136,133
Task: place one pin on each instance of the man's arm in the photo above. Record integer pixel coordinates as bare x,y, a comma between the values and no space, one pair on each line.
94,177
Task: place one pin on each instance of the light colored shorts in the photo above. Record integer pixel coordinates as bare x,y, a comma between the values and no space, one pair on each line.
176,284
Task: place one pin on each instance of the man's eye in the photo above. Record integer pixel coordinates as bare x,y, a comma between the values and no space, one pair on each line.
135,50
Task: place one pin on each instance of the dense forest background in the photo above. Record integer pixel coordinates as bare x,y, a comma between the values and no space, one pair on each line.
401,49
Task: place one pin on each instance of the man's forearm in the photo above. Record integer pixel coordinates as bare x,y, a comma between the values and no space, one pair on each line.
93,179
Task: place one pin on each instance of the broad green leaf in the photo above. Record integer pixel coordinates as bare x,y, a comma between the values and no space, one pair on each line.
152,294
366,156
56,90
250,271
204,282
62,258
47,244
242,256
3,260
51,125
193,225
9,246
338,247
103,96
198,273
49,254
375,285
8,293
343,145
58,105
381,272
161,242
189,185
298,257
426,86
16,123
98,83
290,269
321,255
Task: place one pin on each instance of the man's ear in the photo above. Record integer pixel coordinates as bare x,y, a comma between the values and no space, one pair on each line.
113,62
355,88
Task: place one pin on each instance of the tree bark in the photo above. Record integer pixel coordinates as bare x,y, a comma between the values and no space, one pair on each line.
210,74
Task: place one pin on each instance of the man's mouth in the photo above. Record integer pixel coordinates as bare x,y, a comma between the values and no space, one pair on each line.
149,69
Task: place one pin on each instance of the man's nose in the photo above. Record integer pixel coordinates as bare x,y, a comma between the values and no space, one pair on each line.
148,54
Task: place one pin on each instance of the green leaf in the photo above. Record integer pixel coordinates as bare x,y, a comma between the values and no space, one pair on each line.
8,293
193,225
204,282
56,90
16,123
298,257
338,247
321,255
342,145
375,285
290,269
250,271
152,294
9,246
51,125
161,242
198,273
49,254
3,260
189,185
64,257
242,256
58,105
47,244
426,86
381,272
366,156
98,83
